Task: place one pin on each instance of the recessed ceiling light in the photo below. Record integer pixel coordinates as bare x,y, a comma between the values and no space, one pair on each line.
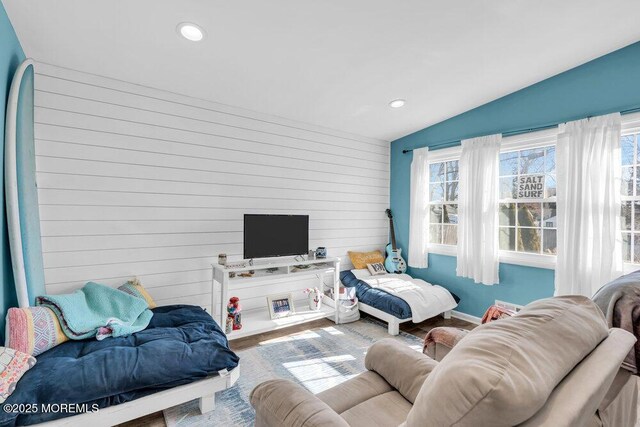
397,103
191,31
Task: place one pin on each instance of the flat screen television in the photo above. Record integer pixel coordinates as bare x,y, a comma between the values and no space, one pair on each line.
275,235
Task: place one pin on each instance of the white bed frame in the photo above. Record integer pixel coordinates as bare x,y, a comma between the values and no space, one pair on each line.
394,322
203,390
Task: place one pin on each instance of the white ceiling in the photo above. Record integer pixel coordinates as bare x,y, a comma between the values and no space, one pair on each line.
334,63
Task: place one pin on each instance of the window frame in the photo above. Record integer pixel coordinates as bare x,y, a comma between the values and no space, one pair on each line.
528,141
440,156
630,126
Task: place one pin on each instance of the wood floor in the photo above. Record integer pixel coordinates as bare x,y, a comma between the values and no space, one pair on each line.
417,329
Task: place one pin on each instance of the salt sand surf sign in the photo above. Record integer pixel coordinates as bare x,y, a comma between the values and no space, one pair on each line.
531,187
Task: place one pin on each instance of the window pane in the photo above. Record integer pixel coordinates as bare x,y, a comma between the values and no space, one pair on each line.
637,183
508,188
636,215
626,247
436,172
452,191
509,163
435,217
450,234
507,238
507,214
528,240
627,181
435,233
636,248
550,186
625,217
436,192
532,161
549,215
550,160
550,241
450,214
452,171
626,143
529,214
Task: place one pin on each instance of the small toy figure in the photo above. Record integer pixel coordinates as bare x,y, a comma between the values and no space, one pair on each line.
233,313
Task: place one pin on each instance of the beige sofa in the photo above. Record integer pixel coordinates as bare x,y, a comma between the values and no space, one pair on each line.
555,364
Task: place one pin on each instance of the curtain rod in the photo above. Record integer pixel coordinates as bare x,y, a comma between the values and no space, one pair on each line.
452,142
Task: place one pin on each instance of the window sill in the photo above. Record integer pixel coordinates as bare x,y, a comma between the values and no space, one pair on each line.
528,260
516,258
628,267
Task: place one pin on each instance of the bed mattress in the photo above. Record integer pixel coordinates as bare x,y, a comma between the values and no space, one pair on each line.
377,298
182,344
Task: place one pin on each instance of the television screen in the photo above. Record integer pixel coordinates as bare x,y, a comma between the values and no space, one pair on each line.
275,235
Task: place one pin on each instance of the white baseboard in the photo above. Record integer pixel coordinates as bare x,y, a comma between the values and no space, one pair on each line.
464,316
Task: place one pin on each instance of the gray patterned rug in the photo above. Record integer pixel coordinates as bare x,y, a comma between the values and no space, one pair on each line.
317,358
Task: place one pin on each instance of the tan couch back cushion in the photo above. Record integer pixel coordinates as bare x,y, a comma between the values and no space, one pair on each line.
502,372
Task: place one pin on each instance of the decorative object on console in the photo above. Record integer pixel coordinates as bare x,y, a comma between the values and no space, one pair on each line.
376,268
315,298
233,314
222,259
312,254
280,305
246,274
13,365
394,263
135,288
361,259
321,252
33,330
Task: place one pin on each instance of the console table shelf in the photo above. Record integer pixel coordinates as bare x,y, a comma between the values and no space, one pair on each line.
258,321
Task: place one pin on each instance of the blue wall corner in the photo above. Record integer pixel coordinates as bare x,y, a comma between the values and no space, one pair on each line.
11,56
607,84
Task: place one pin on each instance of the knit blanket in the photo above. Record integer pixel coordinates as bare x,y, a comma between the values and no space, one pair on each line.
98,311
619,300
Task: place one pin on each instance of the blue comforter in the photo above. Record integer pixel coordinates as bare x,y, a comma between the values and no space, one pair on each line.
378,298
182,344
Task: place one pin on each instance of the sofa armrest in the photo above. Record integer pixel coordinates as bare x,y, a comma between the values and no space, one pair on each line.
401,366
285,403
439,341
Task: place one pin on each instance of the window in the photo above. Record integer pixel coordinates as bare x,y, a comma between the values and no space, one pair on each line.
443,202
527,210
630,215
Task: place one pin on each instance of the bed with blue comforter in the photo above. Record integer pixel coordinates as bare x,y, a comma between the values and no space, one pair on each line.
377,298
182,344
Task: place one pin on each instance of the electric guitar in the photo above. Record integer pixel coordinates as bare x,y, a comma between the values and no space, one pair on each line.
394,263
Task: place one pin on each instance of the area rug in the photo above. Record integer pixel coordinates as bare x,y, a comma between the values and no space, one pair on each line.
318,358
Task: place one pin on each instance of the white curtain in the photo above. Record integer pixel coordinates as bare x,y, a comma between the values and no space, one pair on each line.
478,209
419,213
588,205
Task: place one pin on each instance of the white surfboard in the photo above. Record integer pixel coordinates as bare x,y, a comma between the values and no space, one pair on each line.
23,216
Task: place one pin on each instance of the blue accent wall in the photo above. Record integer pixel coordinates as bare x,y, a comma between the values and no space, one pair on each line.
607,84
11,55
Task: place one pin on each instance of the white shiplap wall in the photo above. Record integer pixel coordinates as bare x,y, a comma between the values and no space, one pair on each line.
138,181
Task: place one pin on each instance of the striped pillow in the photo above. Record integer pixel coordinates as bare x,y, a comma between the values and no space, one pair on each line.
33,330
13,365
135,288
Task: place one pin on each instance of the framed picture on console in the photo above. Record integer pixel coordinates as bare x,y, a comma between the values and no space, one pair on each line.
280,305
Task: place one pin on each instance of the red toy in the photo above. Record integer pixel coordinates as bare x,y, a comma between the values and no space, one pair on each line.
233,314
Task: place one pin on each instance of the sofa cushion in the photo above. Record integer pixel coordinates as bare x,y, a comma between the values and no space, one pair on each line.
388,409
401,366
350,393
511,366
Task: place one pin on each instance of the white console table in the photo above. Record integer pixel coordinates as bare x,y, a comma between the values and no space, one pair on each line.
258,320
